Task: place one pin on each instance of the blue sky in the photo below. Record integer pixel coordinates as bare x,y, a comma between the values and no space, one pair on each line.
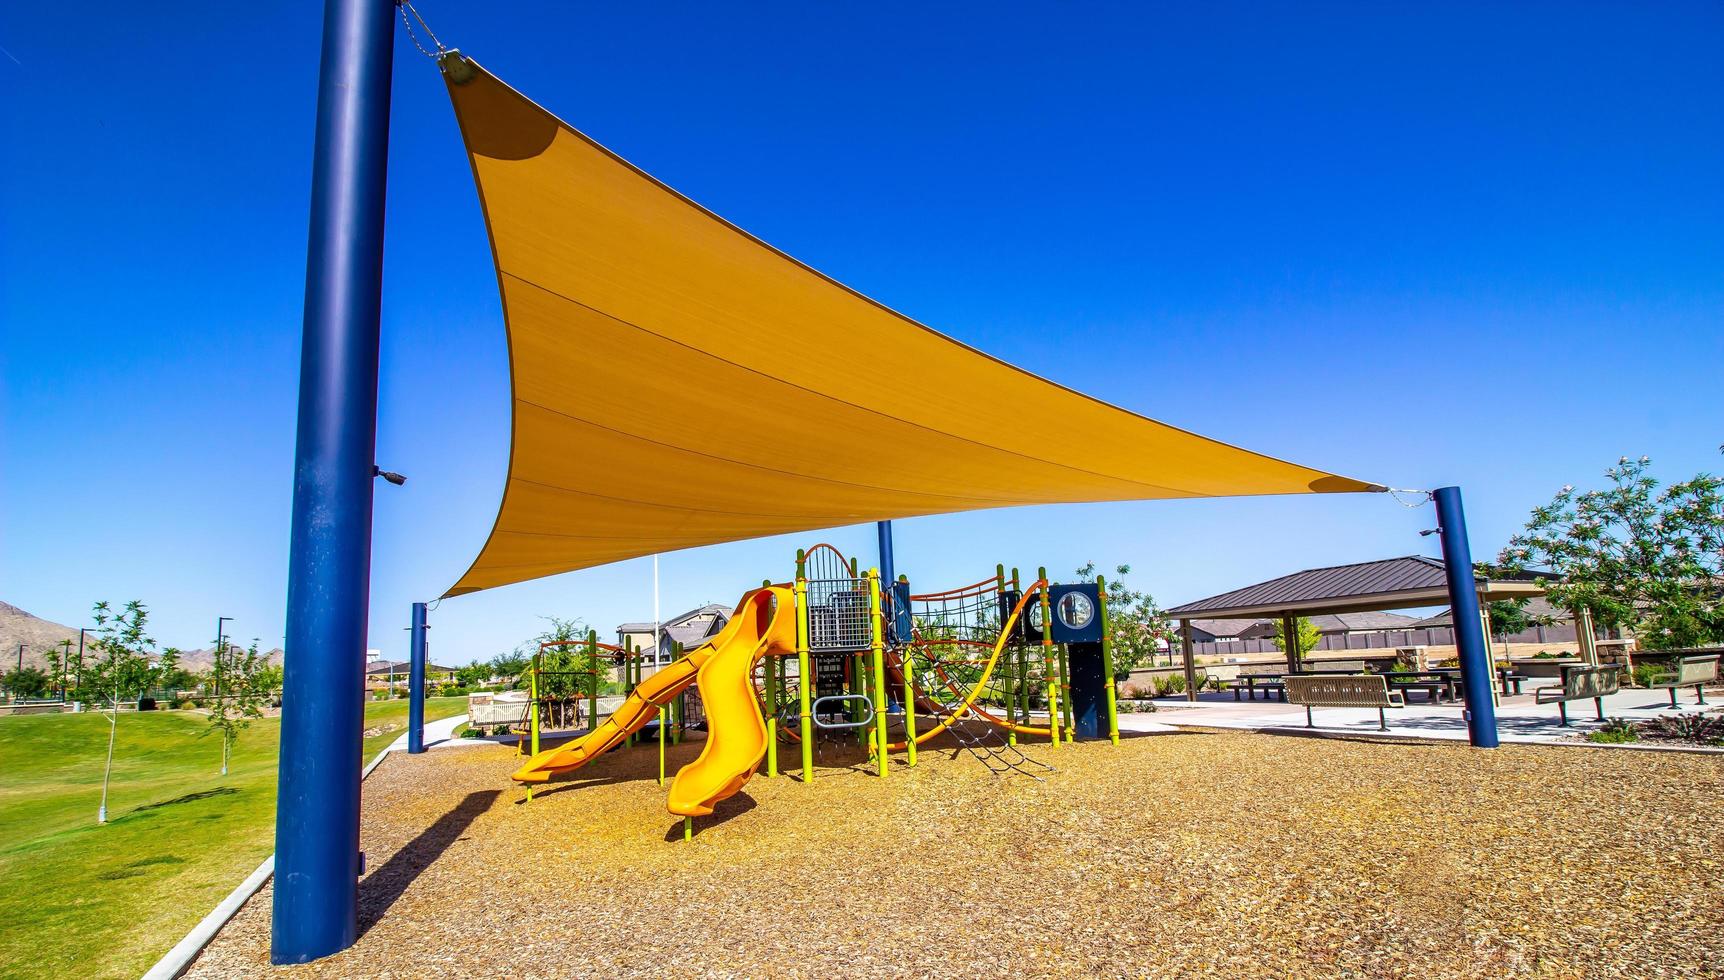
1456,244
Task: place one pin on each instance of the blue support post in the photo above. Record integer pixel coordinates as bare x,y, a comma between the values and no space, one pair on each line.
888,568
329,549
416,682
1477,672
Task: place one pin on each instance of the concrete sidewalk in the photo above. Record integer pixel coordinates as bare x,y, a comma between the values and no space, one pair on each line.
1519,718
439,734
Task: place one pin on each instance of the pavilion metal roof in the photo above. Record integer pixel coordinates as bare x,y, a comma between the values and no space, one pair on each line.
1389,583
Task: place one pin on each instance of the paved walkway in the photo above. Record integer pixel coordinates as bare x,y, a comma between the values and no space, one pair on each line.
1519,719
439,734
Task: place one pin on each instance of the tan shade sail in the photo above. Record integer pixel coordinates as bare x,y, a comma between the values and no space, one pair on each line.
678,383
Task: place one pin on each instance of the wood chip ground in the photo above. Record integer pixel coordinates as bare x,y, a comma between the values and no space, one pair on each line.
1190,854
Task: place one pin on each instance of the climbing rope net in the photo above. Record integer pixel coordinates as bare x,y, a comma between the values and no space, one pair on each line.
966,670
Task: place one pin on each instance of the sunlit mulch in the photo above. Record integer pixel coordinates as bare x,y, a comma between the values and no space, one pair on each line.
1190,854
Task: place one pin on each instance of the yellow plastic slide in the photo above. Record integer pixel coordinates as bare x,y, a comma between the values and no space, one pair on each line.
765,624
640,707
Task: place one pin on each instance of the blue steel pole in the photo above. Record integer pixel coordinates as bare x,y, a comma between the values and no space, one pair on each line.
329,557
416,682
1476,669
888,571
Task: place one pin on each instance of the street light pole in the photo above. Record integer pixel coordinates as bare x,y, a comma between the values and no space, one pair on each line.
220,651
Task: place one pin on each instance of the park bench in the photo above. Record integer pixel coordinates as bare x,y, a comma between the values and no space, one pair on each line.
1342,691
1578,683
1695,672
1254,676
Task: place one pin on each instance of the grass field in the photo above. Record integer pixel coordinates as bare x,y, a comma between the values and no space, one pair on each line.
107,901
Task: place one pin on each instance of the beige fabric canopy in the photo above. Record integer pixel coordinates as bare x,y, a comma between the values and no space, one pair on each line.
678,383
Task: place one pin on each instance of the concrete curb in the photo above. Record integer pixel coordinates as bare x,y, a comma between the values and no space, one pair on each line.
1300,731
179,959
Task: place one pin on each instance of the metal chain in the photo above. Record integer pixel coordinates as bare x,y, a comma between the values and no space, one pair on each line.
1423,497
405,6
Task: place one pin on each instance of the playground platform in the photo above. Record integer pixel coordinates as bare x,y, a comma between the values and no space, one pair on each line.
1191,853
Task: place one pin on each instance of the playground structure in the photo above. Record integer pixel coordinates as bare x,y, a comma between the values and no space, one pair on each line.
837,654
608,275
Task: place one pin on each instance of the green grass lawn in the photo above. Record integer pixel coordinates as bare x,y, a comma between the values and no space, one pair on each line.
107,901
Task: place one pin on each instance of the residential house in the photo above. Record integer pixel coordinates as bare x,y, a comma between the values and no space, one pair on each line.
687,630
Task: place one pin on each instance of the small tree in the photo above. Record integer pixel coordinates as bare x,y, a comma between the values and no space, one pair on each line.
240,694
568,673
1636,555
57,668
28,682
473,675
123,668
1305,635
1136,626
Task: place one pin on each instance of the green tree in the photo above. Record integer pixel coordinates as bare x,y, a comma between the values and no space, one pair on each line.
58,666
1305,635
123,668
1637,555
27,682
1136,626
239,694
568,673
473,675
170,675
511,664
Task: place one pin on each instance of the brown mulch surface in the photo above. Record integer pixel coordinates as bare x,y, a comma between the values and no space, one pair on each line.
1189,854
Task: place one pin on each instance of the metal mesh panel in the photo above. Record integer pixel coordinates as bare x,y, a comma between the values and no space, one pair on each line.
838,614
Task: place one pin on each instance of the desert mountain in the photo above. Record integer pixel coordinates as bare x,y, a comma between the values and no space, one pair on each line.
39,635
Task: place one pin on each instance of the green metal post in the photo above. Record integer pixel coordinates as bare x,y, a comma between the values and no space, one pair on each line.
1050,678
1107,663
909,698
1065,689
533,710
804,677
771,717
878,646
1006,675
593,691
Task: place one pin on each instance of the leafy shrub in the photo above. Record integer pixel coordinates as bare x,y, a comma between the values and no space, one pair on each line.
1697,728
1645,675
1615,730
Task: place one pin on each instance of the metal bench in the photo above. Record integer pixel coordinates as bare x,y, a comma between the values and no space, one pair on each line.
1695,672
1343,691
1578,683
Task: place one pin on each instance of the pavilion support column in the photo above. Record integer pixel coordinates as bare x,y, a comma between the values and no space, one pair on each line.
1290,630
317,859
1190,661
1476,672
416,681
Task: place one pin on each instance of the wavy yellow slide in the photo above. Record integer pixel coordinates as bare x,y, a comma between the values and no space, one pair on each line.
764,623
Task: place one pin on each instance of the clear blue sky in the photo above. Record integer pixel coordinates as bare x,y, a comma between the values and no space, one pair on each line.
1464,244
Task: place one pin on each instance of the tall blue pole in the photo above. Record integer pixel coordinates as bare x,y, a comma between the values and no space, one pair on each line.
416,682
888,570
1477,673
329,557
